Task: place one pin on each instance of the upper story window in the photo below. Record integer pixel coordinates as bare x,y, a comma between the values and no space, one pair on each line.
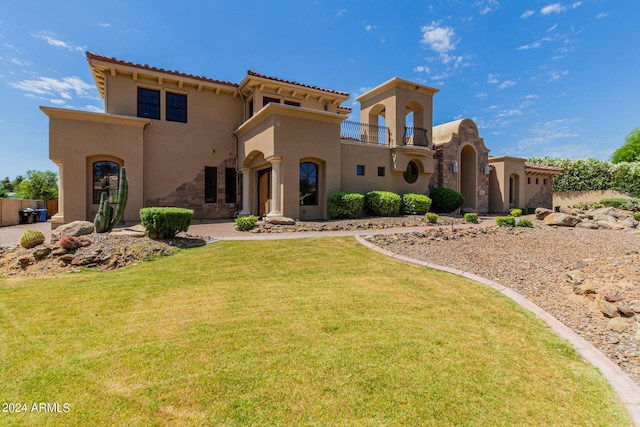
292,103
176,107
148,103
266,100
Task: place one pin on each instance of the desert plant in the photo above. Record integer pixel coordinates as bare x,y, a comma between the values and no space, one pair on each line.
471,218
445,200
531,210
246,223
382,203
31,238
614,202
72,242
415,204
105,219
344,204
165,223
587,205
432,217
505,221
515,212
524,223
632,205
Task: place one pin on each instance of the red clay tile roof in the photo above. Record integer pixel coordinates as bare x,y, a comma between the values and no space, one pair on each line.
275,79
542,167
97,57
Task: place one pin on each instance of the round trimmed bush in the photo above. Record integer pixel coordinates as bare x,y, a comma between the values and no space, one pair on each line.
344,204
165,223
445,200
515,212
415,204
431,217
382,203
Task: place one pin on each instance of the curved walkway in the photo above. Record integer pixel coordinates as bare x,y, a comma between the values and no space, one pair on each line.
627,390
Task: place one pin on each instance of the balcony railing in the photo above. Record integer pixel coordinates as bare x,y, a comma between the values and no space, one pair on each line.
362,132
416,136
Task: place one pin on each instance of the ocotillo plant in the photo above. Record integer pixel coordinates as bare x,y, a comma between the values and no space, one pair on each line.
105,219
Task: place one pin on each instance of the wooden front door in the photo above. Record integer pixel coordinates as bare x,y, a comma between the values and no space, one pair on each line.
264,191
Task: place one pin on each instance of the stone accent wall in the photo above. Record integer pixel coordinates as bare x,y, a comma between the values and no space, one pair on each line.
543,198
190,195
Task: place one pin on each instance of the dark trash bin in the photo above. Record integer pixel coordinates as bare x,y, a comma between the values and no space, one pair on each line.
41,215
27,216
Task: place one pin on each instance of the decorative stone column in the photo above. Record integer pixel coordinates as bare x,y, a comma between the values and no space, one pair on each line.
246,194
58,219
276,179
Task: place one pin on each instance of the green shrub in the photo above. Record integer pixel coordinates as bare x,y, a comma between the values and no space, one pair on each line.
165,223
529,210
246,223
445,200
524,223
636,215
415,204
588,205
632,205
382,203
614,202
506,221
432,217
515,212
471,218
343,204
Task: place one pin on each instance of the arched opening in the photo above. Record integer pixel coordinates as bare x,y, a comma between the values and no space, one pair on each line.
375,131
414,131
514,190
468,176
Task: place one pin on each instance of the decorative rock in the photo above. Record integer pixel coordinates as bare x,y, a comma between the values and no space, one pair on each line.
626,310
608,309
541,213
24,261
587,224
573,275
561,219
75,229
281,220
567,210
613,298
41,253
630,222
604,217
59,251
585,289
618,325
604,225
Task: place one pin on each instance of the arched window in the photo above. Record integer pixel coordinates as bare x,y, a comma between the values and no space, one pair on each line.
411,174
308,184
106,176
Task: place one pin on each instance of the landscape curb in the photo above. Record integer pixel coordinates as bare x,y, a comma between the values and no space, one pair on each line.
627,390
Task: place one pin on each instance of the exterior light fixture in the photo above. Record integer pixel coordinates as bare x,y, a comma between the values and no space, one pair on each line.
454,167
485,169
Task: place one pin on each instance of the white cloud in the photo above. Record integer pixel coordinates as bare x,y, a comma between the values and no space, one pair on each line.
438,38
58,101
486,6
527,14
506,84
602,15
481,95
59,43
492,78
551,28
533,45
556,75
104,25
17,61
531,96
577,4
368,27
63,88
509,113
341,12
546,133
552,8
12,47
93,109
421,69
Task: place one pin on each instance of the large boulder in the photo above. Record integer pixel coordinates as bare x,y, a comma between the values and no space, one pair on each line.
561,219
75,229
567,210
541,213
630,222
281,220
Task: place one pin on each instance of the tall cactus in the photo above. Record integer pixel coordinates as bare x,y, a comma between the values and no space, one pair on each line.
105,219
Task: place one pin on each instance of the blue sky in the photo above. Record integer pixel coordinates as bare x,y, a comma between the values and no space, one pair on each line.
538,77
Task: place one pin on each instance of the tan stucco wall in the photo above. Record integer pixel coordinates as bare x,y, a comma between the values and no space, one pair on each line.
77,138
569,198
499,194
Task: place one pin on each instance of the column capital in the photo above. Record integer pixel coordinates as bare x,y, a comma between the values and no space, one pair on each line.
276,158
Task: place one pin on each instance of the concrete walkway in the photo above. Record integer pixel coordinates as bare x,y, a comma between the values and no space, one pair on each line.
627,390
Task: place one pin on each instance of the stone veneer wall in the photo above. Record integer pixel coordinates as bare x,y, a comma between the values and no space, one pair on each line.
190,195
543,198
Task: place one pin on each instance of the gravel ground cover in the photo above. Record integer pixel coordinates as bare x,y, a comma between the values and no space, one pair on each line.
575,274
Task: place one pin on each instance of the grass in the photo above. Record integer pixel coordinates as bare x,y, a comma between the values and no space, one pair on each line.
295,332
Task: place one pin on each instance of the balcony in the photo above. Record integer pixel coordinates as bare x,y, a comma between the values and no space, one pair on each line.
414,136
365,133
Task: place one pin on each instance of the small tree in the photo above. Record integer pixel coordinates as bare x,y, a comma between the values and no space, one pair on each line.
630,150
42,185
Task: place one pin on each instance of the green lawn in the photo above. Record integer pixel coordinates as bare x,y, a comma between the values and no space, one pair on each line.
290,332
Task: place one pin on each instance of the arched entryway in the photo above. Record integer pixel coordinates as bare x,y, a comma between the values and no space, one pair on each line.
468,176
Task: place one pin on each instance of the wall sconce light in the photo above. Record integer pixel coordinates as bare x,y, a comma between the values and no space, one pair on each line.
454,167
485,169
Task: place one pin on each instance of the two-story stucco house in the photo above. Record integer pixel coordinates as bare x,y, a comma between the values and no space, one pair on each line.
268,146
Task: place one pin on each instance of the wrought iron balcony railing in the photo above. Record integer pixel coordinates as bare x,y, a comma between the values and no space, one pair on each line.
366,133
416,136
